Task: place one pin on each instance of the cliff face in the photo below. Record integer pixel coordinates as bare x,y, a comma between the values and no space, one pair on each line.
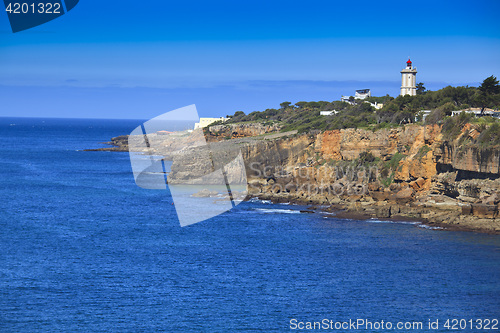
235,131
325,151
422,148
412,172
473,159
347,144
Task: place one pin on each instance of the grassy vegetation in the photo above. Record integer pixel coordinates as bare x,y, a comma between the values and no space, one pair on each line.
490,136
422,152
452,126
305,116
388,169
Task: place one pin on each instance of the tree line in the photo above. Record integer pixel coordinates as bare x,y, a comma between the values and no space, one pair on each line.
304,116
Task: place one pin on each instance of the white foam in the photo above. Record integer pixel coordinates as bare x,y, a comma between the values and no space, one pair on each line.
374,220
278,211
429,227
260,201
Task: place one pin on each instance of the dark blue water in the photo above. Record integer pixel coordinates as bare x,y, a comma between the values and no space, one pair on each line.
83,249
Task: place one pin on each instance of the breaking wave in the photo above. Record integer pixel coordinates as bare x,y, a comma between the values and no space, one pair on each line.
277,211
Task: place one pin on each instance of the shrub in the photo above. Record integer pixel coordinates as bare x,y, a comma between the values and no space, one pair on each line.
490,136
422,152
452,126
366,157
394,161
435,117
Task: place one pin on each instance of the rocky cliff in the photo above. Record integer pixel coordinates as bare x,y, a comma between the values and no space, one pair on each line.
469,158
234,131
400,173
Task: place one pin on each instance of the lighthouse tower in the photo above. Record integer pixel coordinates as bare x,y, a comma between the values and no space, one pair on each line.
409,80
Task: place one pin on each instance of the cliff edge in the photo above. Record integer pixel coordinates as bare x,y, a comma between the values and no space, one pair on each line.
400,173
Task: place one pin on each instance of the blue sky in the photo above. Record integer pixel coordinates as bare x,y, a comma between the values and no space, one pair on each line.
131,59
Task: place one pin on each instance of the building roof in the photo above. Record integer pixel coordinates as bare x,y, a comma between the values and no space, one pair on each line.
409,61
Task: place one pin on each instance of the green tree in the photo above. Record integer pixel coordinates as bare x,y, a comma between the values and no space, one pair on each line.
490,86
284,105
313,105
487,91
420,88
301,104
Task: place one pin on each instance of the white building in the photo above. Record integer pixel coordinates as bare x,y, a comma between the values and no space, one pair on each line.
477,112
424,114
362,94
204,122
359,94
409,80
328,113
346,99
376,105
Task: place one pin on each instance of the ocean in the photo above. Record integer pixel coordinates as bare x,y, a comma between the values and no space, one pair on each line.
83,249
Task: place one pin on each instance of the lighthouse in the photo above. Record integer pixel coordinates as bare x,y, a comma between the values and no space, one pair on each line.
409,80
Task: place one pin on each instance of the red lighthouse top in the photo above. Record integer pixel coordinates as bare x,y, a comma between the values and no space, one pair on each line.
408,62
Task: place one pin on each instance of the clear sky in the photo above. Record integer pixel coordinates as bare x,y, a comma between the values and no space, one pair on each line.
139,59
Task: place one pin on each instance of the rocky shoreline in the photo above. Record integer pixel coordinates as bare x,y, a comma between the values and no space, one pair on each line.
435,218
438,219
